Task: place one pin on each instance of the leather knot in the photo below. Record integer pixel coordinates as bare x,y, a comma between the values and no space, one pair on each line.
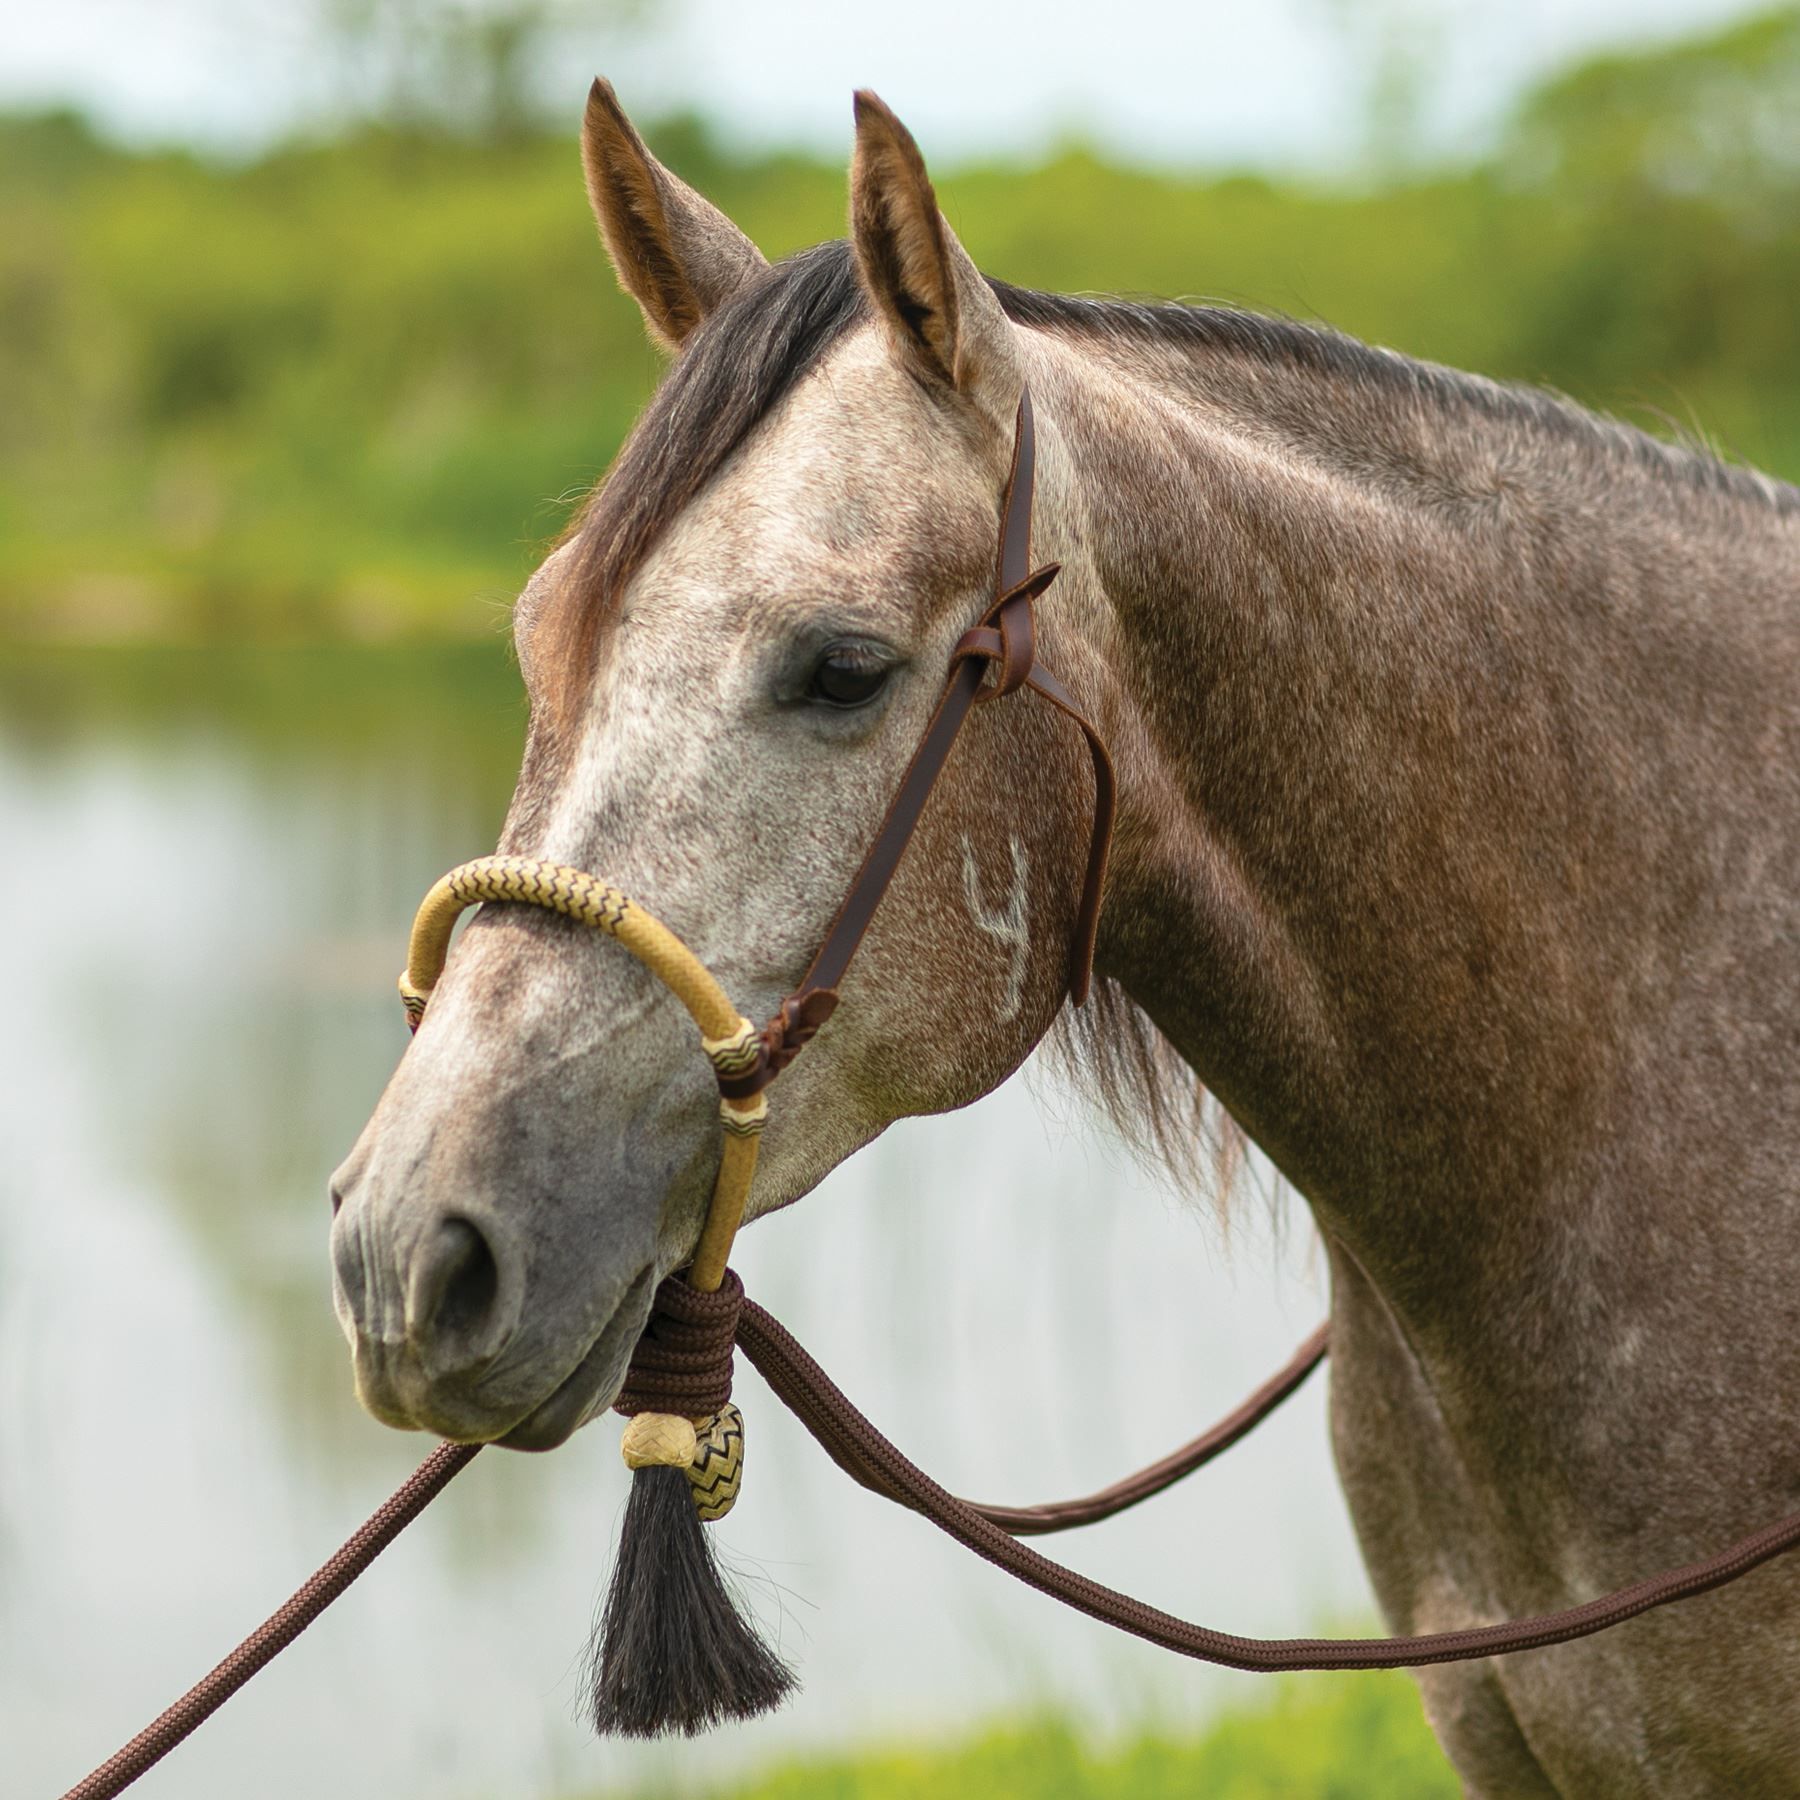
1017,625
796,1023
1007,638
682,1362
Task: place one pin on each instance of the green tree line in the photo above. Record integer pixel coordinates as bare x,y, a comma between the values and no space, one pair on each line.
349,388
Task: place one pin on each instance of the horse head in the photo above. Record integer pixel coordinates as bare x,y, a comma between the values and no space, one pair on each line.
730,659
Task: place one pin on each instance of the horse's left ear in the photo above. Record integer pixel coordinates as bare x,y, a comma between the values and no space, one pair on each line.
945,320
676,254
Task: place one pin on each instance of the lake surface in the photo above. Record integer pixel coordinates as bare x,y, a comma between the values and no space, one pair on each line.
212,862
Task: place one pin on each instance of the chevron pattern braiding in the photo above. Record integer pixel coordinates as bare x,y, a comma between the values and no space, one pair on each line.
717,1471
572,892
738,1120
737,1054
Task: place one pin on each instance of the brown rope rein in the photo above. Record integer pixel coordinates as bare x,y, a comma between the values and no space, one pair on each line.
1091,1509
698,1364
857,1446
281,1627
683,1364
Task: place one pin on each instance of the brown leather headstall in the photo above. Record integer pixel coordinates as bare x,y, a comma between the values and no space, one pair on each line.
995,658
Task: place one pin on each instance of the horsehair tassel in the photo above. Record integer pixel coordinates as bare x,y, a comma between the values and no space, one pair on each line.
672,1651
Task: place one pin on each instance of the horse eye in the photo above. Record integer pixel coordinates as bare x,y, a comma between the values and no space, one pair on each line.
848,675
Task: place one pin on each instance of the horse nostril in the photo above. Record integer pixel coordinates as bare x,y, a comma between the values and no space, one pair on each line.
453,1307
474,1280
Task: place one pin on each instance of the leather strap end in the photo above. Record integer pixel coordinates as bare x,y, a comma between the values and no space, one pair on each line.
795,1024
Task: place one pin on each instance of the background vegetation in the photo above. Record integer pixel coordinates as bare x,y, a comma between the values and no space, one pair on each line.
344,390
1359,1737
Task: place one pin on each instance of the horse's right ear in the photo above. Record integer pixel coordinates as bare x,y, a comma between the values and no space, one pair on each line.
942,317
675,254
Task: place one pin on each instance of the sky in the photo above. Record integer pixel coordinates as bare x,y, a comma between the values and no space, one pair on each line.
1277,84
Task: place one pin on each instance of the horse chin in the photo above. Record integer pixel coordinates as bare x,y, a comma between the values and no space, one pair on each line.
589,1388
392,1386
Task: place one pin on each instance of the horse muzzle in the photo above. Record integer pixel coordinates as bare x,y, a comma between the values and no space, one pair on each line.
436,1324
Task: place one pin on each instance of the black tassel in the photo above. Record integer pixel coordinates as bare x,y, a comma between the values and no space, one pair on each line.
672,1652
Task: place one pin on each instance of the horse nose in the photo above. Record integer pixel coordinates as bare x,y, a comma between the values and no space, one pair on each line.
462,1295
444,1290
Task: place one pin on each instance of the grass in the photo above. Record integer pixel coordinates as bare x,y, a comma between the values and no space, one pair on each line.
1341,1737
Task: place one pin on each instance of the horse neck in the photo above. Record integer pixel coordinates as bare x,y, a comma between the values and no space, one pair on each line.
1419,776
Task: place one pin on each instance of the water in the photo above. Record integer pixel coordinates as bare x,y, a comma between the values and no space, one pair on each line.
212,861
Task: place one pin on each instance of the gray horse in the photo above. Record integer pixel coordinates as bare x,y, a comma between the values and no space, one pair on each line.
1458,735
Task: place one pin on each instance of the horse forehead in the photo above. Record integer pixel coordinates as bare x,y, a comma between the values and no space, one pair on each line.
853,471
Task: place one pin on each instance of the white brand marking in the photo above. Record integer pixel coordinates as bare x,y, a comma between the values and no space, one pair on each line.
1005,924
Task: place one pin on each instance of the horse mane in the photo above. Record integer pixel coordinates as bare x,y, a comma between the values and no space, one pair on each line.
1272,341
739,365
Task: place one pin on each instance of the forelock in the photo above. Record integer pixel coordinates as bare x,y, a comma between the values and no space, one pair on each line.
733,372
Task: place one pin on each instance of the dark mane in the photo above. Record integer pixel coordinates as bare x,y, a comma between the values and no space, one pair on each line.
1318,350
744,360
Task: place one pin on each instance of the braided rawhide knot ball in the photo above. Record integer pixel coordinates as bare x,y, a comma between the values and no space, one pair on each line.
677,1393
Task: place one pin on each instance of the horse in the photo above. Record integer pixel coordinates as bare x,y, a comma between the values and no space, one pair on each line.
1457,735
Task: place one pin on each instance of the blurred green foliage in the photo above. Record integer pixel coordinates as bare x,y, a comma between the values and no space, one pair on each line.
1345,1737
347,390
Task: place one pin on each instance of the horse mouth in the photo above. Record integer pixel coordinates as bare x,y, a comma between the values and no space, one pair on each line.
590,1386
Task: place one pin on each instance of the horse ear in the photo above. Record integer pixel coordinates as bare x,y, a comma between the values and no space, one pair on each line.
675,254
944,318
